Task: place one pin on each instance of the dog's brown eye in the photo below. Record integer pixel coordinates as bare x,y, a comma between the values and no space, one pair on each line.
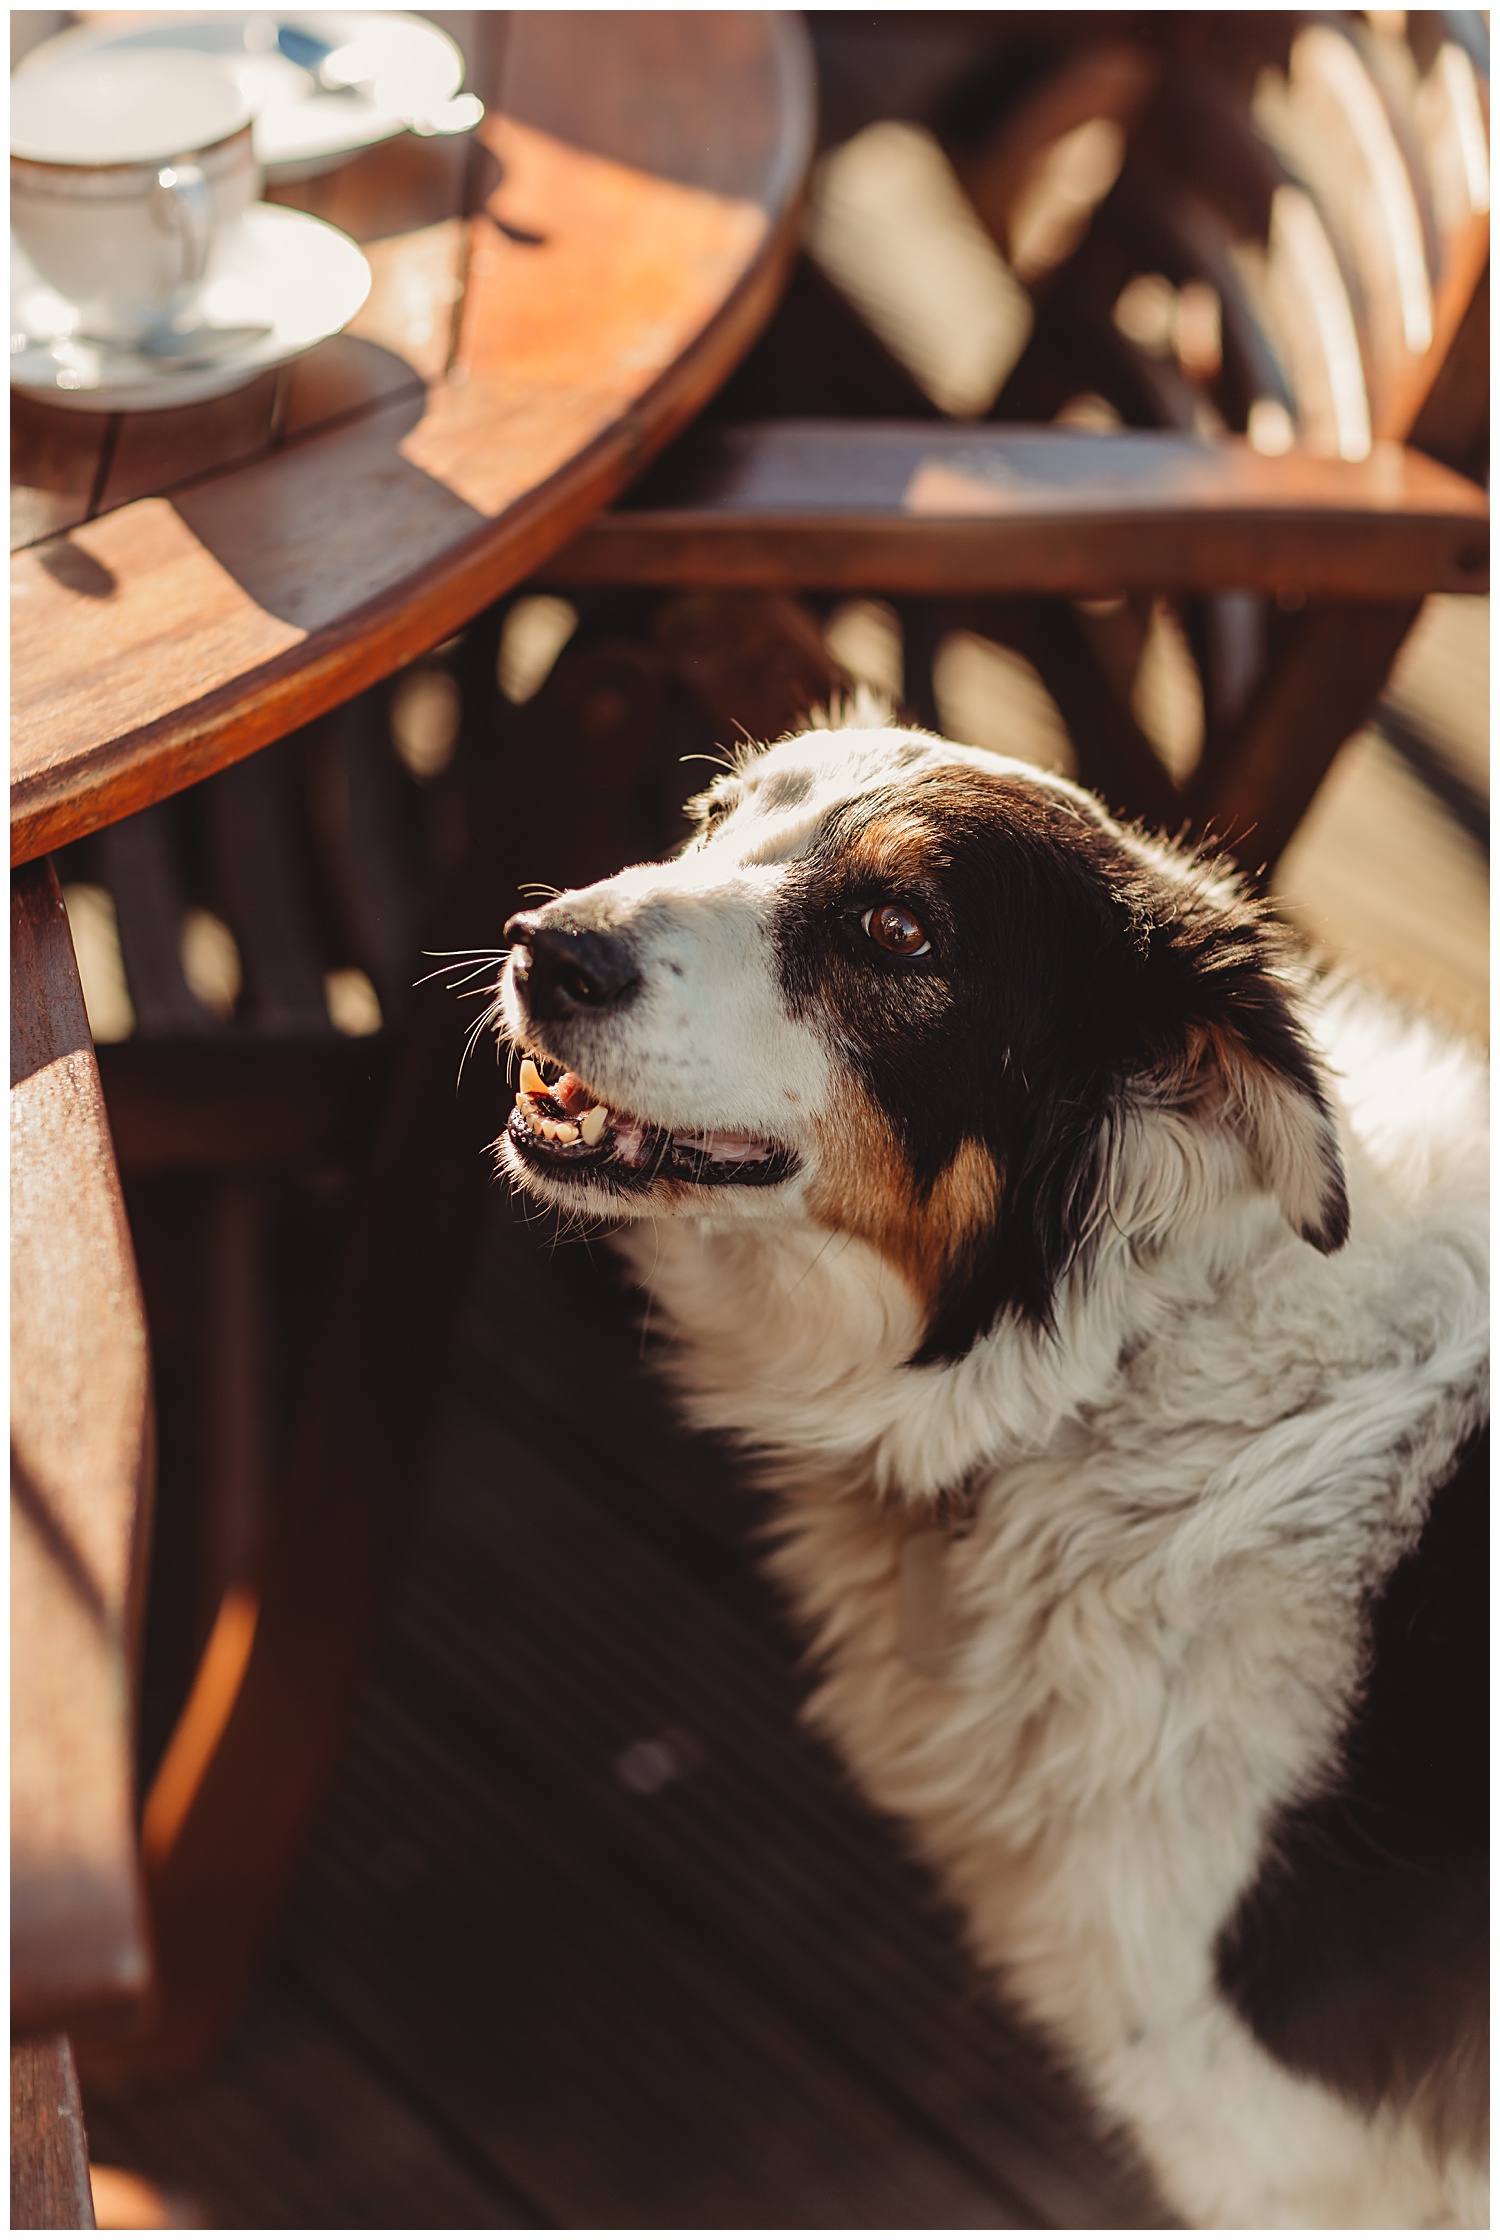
897,930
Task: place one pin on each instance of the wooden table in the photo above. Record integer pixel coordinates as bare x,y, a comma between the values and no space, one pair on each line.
552,301
189,585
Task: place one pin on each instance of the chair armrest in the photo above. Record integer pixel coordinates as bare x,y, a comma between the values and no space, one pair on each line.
80,1491
890,507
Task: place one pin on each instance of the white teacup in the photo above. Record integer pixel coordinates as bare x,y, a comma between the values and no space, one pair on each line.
129,174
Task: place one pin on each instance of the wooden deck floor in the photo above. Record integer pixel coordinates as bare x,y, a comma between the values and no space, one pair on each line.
592,1934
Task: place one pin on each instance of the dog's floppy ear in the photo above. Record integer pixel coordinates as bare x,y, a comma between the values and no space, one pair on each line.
1243,1048
1179,996
1282,1116
1203,1022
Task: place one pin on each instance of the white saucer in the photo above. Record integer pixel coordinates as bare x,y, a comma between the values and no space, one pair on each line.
299,279
405,74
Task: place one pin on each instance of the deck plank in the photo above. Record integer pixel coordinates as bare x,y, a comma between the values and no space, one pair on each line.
588,2042
297,2128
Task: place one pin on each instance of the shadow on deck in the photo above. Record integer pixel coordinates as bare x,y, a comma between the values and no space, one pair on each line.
591,1933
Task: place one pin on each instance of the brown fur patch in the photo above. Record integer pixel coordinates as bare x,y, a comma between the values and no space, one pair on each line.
865,1189
894,849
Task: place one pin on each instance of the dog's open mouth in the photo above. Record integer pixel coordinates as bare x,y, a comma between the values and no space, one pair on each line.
561,1126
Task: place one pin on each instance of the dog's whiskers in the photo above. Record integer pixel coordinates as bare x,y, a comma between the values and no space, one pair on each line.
489,1017
469,961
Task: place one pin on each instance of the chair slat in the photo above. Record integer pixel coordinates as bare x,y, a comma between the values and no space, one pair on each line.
255,865
141,870
893,508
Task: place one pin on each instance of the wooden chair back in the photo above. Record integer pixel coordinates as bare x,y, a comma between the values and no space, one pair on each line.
1314,188
1263,234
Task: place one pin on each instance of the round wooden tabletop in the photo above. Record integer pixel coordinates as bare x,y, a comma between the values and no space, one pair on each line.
553,299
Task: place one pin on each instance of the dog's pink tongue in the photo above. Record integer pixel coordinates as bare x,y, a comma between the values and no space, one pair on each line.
571,1094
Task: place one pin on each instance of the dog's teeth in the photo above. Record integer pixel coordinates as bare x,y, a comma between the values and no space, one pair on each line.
594,1123
565,1131
532,1084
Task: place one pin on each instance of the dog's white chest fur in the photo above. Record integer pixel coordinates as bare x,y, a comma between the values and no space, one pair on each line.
1087,1610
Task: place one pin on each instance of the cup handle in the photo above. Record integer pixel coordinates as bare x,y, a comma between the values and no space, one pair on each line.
184,207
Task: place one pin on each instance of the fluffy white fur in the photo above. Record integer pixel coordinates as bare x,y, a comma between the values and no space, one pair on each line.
1148,1638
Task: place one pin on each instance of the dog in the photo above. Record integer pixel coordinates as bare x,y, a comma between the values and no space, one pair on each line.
1103,1291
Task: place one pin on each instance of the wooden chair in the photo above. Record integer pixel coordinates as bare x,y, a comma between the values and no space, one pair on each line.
1302,204
273,1547
322,857
80,1482
234,1119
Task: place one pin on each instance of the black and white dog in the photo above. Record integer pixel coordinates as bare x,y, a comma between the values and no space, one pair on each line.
1107,1299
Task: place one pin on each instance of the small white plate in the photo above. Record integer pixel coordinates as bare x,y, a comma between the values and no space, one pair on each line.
390,73
298,279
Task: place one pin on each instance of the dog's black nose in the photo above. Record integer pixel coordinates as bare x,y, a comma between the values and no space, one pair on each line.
562,971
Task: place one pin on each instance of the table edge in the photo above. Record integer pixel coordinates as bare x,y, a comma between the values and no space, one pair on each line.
331,665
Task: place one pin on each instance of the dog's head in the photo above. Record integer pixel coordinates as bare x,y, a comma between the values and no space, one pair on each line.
928,997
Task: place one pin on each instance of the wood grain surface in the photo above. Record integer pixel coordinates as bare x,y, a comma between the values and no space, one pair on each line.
897,507
321,537
49,2163
80,1482
55,463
